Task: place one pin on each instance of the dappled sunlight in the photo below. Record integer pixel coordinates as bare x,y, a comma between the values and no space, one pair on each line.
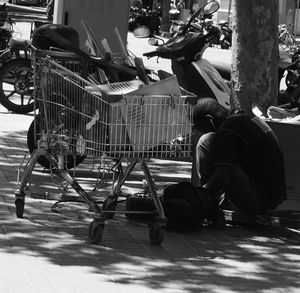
227,266
293,257
258,248
13,149
234,260
8,164
228,258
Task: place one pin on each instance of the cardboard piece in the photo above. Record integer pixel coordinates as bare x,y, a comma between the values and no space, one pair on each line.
154,114
168,86
288,134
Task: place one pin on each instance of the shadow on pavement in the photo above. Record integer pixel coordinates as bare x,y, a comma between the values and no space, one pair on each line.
236,259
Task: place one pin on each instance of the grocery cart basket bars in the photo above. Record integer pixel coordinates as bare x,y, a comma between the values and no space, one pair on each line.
78,114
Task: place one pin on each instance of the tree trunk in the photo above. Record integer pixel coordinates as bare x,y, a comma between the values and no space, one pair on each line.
254,54
155,3
165,22
189,4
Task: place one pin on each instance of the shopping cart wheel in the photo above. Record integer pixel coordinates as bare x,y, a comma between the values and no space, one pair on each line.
109,206
95,230
19,203
157,232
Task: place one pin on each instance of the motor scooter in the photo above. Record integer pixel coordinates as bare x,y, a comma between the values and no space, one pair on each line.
193,72
226,35
16,77
288,74
176,24
144,17
288,65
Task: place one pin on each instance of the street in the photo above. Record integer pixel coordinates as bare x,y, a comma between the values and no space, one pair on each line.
48,251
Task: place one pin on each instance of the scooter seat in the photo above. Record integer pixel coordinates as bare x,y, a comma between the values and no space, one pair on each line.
19,44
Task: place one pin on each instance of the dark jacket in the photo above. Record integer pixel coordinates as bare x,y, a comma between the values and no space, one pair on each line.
251,143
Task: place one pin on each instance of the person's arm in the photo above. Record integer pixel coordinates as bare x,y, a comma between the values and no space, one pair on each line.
230,145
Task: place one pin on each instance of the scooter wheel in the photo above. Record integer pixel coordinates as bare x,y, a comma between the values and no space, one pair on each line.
16,86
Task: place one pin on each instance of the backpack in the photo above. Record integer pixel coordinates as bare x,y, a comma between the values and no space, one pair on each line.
181,203
183,208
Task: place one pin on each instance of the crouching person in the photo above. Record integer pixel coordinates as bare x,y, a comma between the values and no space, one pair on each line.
240,159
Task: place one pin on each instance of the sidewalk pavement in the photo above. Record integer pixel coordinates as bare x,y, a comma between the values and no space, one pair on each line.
48,251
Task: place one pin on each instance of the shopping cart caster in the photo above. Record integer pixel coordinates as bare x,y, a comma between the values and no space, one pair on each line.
19,204
157,232
95,230
109,206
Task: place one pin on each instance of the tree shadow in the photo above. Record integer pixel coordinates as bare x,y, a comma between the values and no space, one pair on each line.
235,259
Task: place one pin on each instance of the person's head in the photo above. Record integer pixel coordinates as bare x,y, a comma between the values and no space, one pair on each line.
208,115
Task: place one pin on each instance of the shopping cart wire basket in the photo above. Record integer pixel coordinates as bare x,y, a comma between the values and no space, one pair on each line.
79,117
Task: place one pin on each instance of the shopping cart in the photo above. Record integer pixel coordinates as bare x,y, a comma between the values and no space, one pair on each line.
77,117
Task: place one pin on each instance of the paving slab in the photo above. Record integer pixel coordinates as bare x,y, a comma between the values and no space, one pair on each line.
48,251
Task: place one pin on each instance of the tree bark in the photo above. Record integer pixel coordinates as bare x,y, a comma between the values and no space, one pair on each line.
155,3
165,22
254,54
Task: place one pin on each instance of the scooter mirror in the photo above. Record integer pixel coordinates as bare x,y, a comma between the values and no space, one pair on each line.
211,7
142,32
208,9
